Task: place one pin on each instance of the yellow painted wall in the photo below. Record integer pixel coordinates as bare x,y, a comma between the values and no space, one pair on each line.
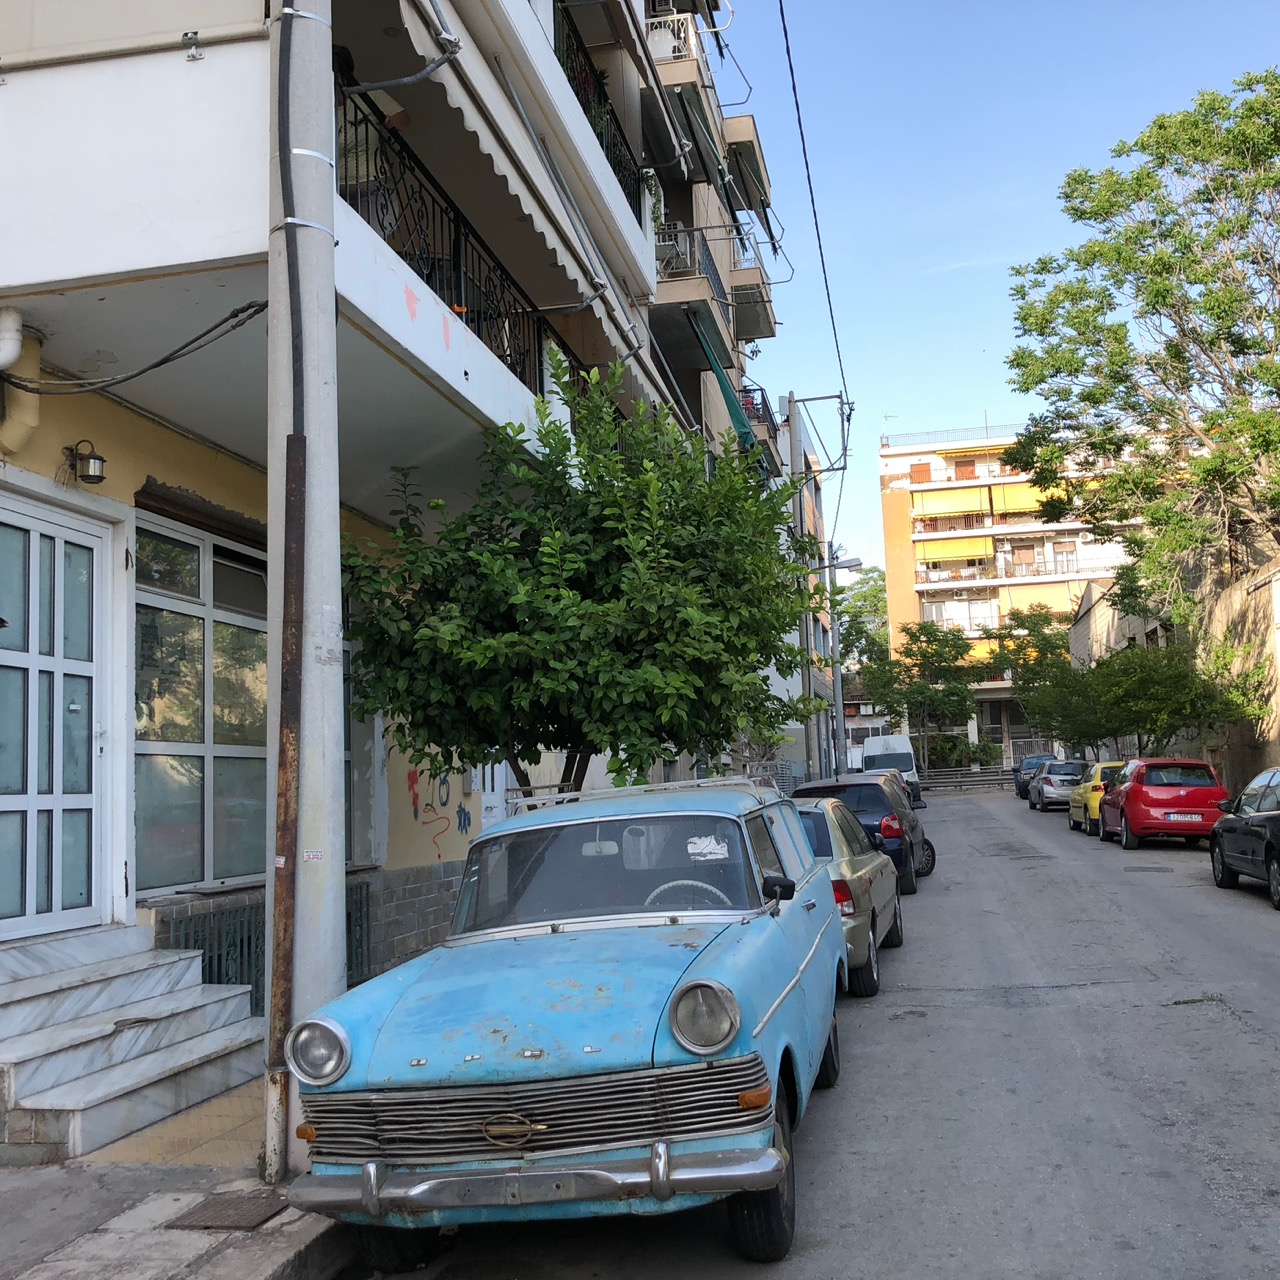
899,561
429,819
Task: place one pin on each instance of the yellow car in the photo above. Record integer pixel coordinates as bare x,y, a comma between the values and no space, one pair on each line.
1082,804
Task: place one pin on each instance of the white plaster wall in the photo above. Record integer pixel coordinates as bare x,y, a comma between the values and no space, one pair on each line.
134,164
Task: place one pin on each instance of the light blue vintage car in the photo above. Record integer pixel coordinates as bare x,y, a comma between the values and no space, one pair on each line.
634,1005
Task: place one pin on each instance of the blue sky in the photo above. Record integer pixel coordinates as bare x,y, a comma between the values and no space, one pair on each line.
939,132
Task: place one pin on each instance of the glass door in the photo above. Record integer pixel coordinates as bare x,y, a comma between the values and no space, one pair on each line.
51,701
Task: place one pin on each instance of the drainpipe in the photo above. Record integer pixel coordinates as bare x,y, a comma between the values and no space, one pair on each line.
19,410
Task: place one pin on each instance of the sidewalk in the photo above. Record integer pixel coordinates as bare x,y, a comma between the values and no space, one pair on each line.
112,1215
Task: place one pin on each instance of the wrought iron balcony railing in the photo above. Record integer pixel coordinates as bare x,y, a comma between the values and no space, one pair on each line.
755,404
386,183
588,87
989,571
684,252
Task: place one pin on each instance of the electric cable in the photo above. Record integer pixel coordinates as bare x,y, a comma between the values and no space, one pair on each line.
228,324
813,203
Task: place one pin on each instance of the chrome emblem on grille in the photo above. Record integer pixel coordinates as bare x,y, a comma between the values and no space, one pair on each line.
510,1130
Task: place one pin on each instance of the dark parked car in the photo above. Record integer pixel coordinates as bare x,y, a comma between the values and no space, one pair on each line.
1023,770
886,810
1052,783
1245,840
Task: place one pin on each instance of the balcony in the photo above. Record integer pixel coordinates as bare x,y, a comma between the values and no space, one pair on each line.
1000,570
588,87
965,523
752,291
675,41
691,287
390,188
753,190
755,404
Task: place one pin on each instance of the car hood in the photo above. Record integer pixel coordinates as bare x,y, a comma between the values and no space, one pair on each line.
532,1008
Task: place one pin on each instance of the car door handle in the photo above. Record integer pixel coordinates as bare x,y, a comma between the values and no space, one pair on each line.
809,904
1259,828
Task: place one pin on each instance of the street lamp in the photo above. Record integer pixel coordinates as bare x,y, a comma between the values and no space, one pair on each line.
838,748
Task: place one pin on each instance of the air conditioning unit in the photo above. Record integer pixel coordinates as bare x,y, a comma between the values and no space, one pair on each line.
1088,537
959,595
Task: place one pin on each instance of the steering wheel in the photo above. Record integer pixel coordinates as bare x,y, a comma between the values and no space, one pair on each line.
709,889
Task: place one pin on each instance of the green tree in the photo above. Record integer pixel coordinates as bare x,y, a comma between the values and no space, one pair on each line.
1032,645
928,682
1156,345
612,589
863,606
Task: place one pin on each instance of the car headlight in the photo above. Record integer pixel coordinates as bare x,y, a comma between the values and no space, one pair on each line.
317,1051
705,1016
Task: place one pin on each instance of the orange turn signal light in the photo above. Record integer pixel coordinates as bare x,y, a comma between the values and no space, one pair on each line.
307,1132
754,1099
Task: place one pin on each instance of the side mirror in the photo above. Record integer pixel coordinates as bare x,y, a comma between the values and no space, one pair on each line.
877,841
1226,806
779,888
919,804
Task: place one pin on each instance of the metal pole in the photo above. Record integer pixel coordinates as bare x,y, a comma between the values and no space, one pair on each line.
837,676
307,963
798,468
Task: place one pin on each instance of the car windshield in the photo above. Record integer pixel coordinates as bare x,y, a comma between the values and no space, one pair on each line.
1180,775
1067,767
624,866
890,760
865,798
815,827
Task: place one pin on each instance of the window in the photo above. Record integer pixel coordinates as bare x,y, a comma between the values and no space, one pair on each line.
921,473
763,847
1180,775
797,856
853,832
966,468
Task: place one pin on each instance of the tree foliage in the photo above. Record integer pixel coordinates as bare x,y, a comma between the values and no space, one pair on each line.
1156,345
611,589
928,682
1150,694
1033,646
864,618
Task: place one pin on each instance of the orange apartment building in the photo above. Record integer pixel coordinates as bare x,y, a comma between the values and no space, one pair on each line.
965,544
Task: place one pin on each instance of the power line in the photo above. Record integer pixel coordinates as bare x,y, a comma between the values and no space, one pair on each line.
813,203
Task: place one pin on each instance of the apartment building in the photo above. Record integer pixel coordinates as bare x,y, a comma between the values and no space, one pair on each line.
965,545
535,191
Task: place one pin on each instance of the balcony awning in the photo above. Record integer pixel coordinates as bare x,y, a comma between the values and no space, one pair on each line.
949,502
1016,497
741,427
955,549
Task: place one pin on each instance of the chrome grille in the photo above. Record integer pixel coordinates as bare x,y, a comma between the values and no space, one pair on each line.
623,1109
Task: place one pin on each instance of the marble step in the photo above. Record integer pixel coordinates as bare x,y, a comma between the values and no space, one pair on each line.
41,1059
94,1110
51,998
32,957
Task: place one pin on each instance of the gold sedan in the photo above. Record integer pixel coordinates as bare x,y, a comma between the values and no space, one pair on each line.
866,887
1082,804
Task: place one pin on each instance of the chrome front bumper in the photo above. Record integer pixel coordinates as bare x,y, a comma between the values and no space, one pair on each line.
376,1191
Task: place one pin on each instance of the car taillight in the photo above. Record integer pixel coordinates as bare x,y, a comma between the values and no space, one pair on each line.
844,897
1098,786
890,827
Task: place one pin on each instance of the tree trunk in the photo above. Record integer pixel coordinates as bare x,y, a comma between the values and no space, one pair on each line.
520,773
568,771
585,756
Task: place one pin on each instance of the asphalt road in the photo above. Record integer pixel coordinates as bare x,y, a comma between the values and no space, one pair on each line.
1071,1070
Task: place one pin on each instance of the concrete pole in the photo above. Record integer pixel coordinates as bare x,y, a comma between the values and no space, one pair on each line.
798,468
305,652
837,675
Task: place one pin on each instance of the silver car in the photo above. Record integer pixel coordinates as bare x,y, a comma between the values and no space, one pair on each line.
1052,784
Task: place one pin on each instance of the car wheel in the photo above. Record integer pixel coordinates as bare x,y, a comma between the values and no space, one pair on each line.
1224,877
1031,801
907,876
395,1249
1092,826
829,1067
762,1224
1193,842
1103,834
930,859
1127,839
1071,822
865,981
1273,879
895,937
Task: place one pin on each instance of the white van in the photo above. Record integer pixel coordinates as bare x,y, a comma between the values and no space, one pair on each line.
892,751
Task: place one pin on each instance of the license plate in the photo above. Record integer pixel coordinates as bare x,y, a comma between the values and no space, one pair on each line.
1183,817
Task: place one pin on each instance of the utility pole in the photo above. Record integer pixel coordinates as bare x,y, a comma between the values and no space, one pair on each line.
799,468
307,891
837,671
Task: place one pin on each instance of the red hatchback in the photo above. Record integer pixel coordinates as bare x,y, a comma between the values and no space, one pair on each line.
1161,797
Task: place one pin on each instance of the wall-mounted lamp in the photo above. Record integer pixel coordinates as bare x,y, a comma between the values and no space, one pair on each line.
90,466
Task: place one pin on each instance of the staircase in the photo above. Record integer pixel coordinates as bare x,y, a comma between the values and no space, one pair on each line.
100,1035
